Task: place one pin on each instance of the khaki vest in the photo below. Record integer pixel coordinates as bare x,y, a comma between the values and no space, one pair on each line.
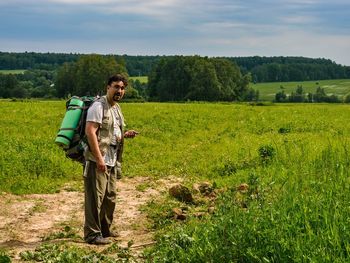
105,132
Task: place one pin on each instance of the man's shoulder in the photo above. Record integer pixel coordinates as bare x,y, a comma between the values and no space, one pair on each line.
95,112
96,105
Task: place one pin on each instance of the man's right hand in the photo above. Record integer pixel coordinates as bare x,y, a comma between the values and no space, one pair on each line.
101,166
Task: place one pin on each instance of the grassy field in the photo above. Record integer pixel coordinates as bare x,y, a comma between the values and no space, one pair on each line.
12,71
142,79
339,87
294,157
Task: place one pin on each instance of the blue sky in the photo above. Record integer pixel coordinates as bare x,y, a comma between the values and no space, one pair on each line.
309,28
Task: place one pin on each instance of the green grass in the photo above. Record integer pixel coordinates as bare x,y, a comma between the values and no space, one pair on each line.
61,252
294,157
142,79
12,71
188,140
30,161
293,213
339,87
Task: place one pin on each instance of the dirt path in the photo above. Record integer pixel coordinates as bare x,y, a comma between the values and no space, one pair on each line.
26,220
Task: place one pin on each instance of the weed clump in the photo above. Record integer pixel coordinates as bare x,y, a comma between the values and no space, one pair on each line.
284,130
4,258
67,232
56,253
232,167
267,153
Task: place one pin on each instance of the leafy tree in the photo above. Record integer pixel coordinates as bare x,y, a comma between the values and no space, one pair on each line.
87,76
140,87
204,84
19,92
310,97
281,96
251,95
298,95
132,94
228,77
320,95
244,91
91,73
65,83
347,98
197,78
8,84
332,99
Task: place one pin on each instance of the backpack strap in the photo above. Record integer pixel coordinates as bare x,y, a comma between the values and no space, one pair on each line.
103,101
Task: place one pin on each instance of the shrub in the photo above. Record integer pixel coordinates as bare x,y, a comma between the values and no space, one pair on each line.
266,153
284,130
347,98
4,258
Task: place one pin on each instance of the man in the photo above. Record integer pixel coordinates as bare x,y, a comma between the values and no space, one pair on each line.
105,135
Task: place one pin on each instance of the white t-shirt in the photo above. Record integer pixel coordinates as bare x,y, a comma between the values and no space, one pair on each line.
95,114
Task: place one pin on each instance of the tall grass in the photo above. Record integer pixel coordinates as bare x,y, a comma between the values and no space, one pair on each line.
30,162
294,157
188,140
302,218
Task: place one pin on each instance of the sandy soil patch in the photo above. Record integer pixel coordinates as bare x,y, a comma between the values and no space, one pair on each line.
26,220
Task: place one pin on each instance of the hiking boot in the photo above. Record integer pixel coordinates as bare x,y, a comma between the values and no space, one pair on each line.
112,234
99,240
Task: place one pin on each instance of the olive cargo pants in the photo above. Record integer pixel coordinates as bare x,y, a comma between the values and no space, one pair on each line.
100,200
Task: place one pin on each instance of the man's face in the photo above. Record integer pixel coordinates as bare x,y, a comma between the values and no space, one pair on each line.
116,90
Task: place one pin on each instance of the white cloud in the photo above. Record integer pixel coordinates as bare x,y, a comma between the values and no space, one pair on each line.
298,19
290,43
204,27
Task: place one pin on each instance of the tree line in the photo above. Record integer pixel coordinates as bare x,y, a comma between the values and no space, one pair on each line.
262,69
34,83
283,69
177,78
171,78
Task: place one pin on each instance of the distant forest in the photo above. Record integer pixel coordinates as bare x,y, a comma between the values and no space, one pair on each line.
170,78
262,69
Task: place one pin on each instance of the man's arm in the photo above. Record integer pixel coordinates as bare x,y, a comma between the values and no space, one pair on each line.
90,131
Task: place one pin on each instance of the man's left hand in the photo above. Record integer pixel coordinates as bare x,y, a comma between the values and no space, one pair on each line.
130,134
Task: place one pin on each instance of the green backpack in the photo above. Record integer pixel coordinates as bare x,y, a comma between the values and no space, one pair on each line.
71,136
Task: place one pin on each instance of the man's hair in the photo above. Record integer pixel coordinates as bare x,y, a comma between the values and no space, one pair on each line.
117,78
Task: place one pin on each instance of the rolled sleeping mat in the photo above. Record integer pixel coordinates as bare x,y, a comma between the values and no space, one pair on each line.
70,122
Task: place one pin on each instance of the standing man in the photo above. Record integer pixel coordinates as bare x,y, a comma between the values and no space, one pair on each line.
105,135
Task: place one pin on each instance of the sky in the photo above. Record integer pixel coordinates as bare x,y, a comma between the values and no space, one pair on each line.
308,28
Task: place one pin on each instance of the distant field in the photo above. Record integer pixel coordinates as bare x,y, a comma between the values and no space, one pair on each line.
142,79
12,71
267,90
339,87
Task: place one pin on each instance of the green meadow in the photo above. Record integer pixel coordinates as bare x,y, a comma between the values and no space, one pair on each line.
339,87
294,158
142,79
12,71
